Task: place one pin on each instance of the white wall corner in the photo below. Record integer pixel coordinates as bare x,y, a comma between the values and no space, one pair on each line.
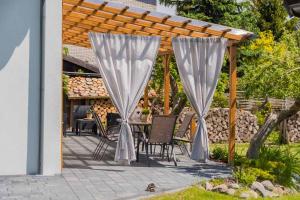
51,116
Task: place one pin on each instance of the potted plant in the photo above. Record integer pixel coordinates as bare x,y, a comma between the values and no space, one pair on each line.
145,114
89,114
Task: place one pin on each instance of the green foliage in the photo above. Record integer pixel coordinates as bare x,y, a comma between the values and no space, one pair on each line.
220,154
220,99
65,79
273,163
66,51
272,16
195,193
217,181
145,111
262,114
80,71
280,162
244,176
274,138
271,68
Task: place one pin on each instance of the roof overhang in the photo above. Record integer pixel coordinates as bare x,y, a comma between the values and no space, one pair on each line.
83,16
81,63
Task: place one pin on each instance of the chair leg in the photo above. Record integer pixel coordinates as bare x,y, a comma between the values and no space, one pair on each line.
99,150
168,153
186,149
163,151
173,154
97,147
147,154
107,144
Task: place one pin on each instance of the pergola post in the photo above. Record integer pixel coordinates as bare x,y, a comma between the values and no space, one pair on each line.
146,97
166,64
232,102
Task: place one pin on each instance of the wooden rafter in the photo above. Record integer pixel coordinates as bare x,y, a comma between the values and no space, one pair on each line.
83,16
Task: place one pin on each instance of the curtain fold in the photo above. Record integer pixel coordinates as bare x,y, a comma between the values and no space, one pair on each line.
199,62
125,63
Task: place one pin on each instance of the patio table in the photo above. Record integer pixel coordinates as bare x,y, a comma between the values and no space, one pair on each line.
81,122
142,125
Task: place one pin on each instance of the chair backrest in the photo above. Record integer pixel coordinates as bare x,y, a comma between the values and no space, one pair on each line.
162,128
184,127
99,124
112,119
81,110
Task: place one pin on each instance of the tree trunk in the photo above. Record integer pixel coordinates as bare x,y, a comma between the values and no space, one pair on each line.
272,121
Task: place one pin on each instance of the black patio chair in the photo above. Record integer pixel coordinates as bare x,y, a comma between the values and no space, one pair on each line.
161,133
79,113
107,137
113,119
181,136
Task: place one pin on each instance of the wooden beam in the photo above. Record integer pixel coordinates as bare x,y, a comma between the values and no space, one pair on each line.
146,97
232,102
167,88
193,128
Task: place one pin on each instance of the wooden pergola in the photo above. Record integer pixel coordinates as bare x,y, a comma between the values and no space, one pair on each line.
83,16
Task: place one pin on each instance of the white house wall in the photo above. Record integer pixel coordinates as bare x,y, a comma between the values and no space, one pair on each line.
23,119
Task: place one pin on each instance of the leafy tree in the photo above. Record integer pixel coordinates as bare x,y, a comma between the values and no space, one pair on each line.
272,16
272,70
226,12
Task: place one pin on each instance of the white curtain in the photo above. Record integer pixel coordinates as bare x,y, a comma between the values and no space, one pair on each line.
199,62
125,63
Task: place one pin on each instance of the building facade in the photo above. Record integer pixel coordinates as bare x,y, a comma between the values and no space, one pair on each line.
30,86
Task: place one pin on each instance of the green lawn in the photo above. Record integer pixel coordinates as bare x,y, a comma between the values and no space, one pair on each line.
194,193
241,148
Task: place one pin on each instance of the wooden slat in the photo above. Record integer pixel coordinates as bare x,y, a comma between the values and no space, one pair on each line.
80,17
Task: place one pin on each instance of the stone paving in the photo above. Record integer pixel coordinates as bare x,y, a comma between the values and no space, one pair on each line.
86,179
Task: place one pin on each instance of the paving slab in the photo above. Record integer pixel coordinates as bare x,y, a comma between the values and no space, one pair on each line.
86,179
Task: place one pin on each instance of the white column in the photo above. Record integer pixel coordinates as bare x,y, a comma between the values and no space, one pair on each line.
51,116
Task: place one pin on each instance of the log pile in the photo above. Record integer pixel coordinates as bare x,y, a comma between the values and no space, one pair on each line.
293,128
102,107
218,126
86,87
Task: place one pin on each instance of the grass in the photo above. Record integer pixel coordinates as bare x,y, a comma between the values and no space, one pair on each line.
194,193
241,148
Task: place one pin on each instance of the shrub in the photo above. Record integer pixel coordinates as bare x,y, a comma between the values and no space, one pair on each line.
220,154
244,175
274,163
247,175
217,181
274,137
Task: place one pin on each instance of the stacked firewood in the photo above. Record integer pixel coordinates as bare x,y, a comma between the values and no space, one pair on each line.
218,125
102,107
293,128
